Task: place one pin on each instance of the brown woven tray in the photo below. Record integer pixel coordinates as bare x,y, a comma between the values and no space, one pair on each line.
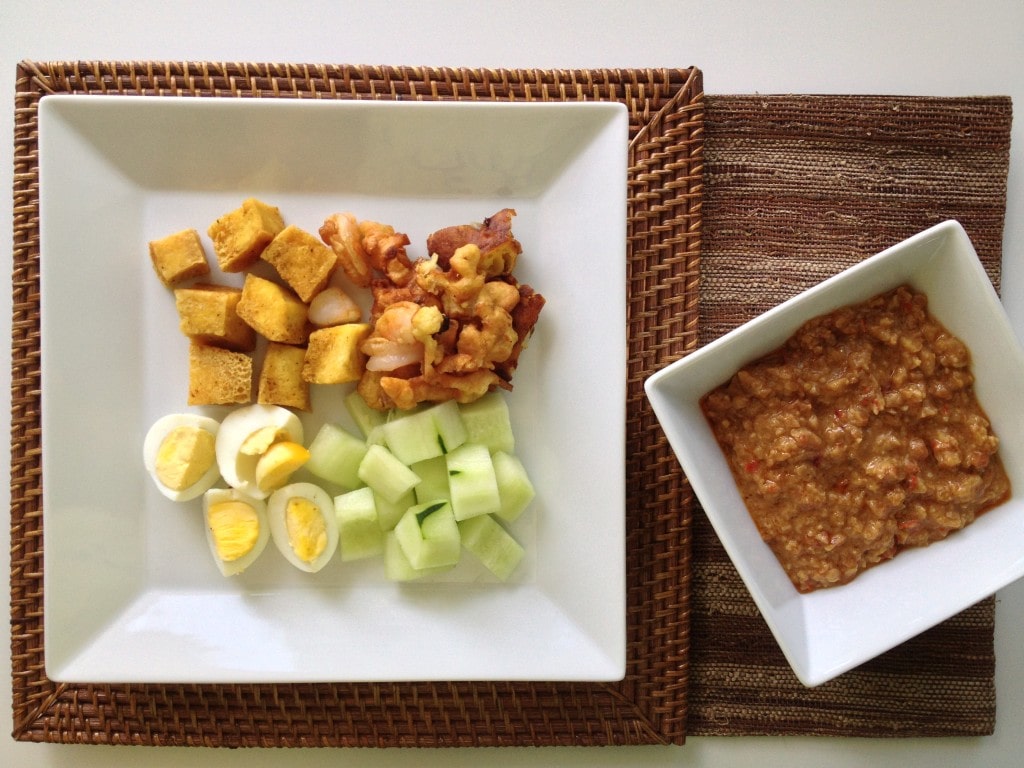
650,704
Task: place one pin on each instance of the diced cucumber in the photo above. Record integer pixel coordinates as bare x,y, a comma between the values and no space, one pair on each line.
397,566
425,434
388,476
359,532
471,481
429,535
451,431
365,417
413,438
335,456
433,485
390,512
487,422
376,436
492,544
514,486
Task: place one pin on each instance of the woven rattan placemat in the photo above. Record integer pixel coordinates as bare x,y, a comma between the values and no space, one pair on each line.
806,185
799,187
663,231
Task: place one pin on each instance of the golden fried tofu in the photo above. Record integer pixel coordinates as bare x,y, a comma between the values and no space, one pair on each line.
218,376
333,355
179,257
273,311
281,381
240,236
301,260
208,314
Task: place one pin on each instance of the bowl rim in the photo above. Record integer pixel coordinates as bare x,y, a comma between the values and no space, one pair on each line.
700,371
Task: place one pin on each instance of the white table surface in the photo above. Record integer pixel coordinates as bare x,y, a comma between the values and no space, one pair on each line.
941,48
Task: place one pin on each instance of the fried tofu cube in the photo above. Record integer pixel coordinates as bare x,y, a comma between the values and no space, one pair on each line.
240,236
179,257
333,355
281,381
302,261
208,314
218,376
273,311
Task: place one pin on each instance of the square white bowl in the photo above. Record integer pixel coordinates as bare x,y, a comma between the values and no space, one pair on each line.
131,591
829,631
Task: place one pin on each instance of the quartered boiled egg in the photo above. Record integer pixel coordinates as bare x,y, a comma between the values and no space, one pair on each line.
258,448
236,528
179,454
304,525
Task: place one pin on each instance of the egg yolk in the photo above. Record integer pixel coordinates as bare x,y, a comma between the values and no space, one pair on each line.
259,441
277,464
184,456
307,531
235,528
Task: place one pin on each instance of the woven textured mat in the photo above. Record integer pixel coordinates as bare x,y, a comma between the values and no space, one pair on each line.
649,705
799,188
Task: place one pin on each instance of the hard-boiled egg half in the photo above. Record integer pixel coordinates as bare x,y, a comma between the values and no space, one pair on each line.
304,525
236,528
258,448
179,453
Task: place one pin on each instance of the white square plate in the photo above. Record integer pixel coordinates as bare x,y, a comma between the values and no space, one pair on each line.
131,591
829,631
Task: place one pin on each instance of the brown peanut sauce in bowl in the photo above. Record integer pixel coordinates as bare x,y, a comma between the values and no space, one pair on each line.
859,437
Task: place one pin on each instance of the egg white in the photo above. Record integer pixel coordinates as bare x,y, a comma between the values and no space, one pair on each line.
151,447
218,495
277,506
239,469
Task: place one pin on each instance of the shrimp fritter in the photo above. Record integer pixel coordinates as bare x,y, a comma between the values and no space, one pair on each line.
447,327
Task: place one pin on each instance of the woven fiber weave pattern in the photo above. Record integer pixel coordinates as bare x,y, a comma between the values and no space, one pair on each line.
800,187
663,247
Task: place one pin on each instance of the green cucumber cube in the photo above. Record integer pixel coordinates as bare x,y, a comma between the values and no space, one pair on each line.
433,485
335,456
359,533
451,431
429,535
390,512
472,482
388,476
365,417
514,486
413,438
426,433
484,537
487,422
397,566
376,436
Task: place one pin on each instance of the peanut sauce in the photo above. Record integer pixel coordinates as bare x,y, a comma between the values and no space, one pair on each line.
859,437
